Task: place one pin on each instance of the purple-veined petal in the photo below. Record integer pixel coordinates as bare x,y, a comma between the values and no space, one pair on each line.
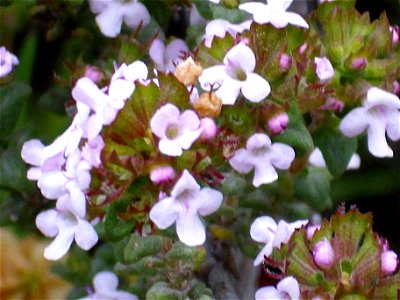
164,213
190,229
354,123
283,156
210,200
240,163
186,182
46,222
255,88
169,147
85,235
242,58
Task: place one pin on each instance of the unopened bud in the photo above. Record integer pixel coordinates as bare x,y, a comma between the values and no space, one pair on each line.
358,63
395,30
324,69
162,174
333,104
93,73
303,48
278,123
311,230
388,262
285,62
188,72
323,254
208,129
396,88
208,105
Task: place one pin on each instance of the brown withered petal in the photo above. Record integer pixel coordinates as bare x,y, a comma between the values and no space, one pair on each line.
188,72
208,105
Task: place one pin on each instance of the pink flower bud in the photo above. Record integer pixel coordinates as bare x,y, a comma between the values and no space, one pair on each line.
162,174
278,123
323,254
324,68
285,62
208,128
358,63
303,48
395,30
388,262
311,230
333,104
93,73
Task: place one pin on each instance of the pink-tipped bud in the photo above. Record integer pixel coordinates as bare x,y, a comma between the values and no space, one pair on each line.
93,73
285,62
323,254
333,104
396,88
208,129
303,48
388,262
358,63
311,230
395,30
162,174
278,123
324,68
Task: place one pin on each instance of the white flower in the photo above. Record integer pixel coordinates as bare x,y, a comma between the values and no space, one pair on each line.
167,58
262,156
274,12
111,14
105,287
379,114
265,230
65,226
317,160
235,75
324,69
287,288
176,131
7,61
220,27
186,203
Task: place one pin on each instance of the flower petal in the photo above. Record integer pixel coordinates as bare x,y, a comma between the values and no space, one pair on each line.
46,222
105,281
265,251
377,143
174,50
257,141
60,245
85,235
169,147
268,293
134,14
264,173
164,213
377,96
259,11
290,286
355,122
213,75
241,57
263,229
229,91
51,184
283,156
210,199
316,159
110,19
163,117
255,88
186,182
120,89
32,152
190,229
240,162
156,53
296,19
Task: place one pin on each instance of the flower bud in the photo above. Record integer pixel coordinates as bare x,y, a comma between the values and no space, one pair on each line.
162,174
208,105
395,30
358,63
208,129
333,104
285,62
303,48
324,68
388,262
311,230
396,88
323,254
188,72
278,123
93,73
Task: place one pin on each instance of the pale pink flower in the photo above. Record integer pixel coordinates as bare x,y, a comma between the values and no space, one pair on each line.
105,287
176,131
235,75
220,27
287,289
389,262
112,13
262,156
278,123
274,12
7,61
324,70
379,114
323,254
186,202
166,58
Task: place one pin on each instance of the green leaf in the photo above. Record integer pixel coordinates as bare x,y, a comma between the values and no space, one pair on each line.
182,252
147,266
161,291
314,187
115,227
13,97
139,247
336,149
173,91
215,55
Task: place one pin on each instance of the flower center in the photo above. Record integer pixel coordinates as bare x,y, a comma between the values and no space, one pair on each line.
260,151
235,72
172,131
